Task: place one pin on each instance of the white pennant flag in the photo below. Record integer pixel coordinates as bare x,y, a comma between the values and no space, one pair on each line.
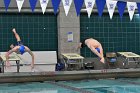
111,7
131,9
89,6
19,4
44,4
67,4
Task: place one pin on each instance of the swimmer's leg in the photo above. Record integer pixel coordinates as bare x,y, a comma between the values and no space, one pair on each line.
101,53
16,35
95,52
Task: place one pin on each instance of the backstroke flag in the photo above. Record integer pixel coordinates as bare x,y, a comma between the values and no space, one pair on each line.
55,4
44,4
100,6
6,3
121,7
111,7
89,6
78,6
138,5
66,4
19,4
32,4
131,9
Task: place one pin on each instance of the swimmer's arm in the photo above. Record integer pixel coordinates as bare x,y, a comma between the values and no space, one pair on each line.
31,53
79,46
8,53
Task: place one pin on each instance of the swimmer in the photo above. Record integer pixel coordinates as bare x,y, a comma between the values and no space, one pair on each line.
19,48
94,46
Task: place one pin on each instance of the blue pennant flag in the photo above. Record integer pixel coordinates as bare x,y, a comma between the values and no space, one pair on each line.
78,6
121,7
33,4
6,3
138,5
55,4
100,6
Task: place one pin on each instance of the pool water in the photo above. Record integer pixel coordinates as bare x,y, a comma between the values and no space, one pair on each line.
123,85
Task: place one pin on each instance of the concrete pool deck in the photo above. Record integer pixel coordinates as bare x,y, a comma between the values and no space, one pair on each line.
20,77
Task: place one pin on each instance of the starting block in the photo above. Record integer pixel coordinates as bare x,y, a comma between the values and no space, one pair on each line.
72,61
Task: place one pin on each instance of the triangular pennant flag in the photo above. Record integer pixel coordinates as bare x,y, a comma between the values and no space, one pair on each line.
66,4
121,7
131,9
44,4
6,3
89,6
100,6
55,4
33,4
138,5
19,4
111,7
78,6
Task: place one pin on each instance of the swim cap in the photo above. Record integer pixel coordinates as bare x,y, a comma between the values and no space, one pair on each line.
98,50
83,44
22,49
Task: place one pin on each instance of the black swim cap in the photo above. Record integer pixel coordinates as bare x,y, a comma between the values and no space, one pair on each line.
83,44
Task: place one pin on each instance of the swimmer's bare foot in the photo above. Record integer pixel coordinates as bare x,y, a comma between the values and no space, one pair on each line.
102,60
14,30
32,66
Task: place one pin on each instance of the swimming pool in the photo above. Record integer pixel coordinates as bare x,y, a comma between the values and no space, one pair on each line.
123,85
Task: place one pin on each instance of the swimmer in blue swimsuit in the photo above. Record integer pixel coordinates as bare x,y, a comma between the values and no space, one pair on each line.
94,46
19,48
